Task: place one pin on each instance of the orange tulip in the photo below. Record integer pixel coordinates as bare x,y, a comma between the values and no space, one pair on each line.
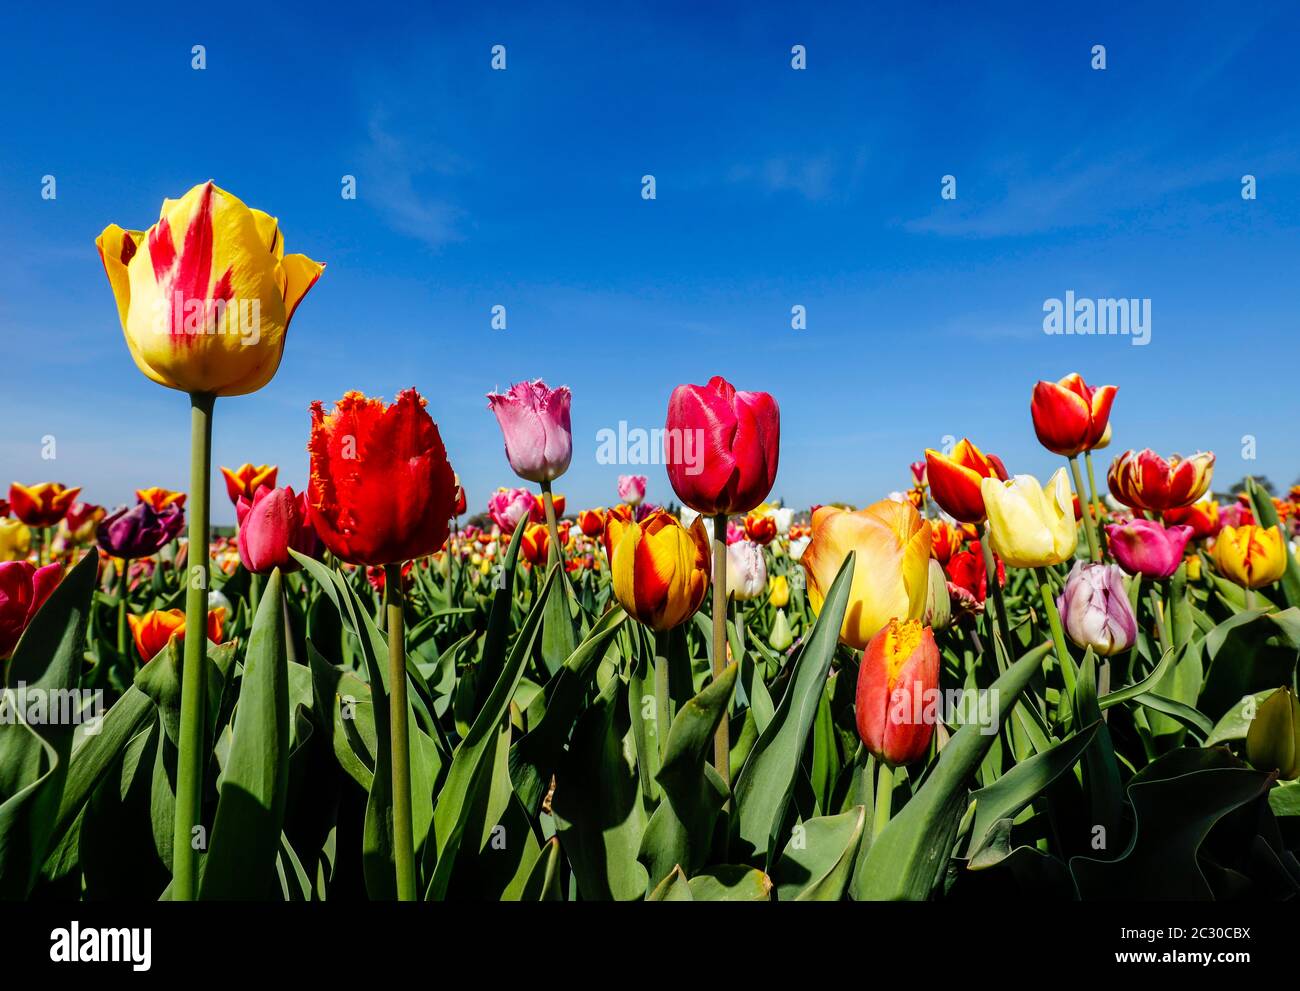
660,568
891,573
955,479
43,504
245,480
760,527
897,683
154,630
158,498
535,543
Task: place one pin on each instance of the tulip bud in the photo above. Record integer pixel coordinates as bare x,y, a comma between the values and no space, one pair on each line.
781,637
1273,740
273,523
898,682
746,570
1095,610
778,593
938,604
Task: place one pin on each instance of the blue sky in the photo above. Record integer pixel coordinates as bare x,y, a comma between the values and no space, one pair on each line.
775,188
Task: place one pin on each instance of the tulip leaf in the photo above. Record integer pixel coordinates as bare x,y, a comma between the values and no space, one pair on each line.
533,757
543,884
493,657
557,624
471,766
817,863
908,858
731,883
240,863
597,804
1235,723
1247,653
1145,685
681,828
34,756
762,792
1266,515
673,888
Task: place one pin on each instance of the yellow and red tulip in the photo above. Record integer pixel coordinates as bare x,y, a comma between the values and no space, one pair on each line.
1070,416
897,682
660,568
244,481
160,498
1144,480
955,479
1251,556
42,504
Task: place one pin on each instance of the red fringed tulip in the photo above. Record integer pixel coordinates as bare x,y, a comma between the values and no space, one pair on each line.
955,479
23,589
1144,547
1070,416
381,489
1144,480
722,446
760,527
273,523
897,695
244,481
43,504
534,421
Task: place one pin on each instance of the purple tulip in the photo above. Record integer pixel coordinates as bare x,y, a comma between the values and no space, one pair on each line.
535,423
1144,547
1095,610
139,531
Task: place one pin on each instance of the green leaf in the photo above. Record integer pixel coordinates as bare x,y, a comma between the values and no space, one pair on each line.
673,888
557,624
818,861
908,858
493,657
1236,721
731,883
762,793
543,884
241,860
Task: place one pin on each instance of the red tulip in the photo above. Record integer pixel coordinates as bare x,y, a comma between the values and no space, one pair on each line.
381,489
955,479
897,683
592,522
460,505
1144,480
967,573
1070,416
760,528
721,446
23,589
43,504
275,521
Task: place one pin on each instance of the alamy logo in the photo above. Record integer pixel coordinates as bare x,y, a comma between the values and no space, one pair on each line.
91,945
1081,315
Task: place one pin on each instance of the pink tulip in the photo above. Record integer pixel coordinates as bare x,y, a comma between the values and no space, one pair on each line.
1095,610
1144,547
631,489
508,507
535,423
275,521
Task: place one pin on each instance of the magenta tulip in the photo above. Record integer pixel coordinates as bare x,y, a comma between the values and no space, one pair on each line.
273,523
1095,610
508,507
535,423
1144,547
23,589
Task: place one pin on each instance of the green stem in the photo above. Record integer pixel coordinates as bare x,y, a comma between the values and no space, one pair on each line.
722,738
994,589
1089,525
548,503
191,755
121,625
663,703
1096,503
884,797
1250,595
254,591
1058,632
403,832
1160,615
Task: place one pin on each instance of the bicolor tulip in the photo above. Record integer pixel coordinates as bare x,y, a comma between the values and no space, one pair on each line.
510,507
23,589
139,531
78,526
154,630
535,544
43,504
1202,517
1070,416
205,296
1144,547
244,481
897,694
622,515
760,527
534,421
1030,527
890,576
1273,738
1250,555
381,487
746,570
631,489
945,540
15,540
721,446
955,479
591,522
159,498
274,522
537,513
660,569
938,600
1095,610
1144,480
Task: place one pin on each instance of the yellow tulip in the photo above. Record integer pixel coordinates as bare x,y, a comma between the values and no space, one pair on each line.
15,540
1030,527
205,295
660,568
890,574
779,591
1252,556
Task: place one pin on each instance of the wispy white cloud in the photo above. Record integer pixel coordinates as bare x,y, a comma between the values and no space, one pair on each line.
402,175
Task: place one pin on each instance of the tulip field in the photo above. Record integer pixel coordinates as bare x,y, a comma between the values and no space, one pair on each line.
380,686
